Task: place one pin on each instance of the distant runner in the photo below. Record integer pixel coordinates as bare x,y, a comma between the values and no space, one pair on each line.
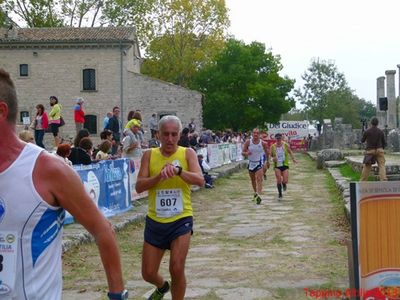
254,148
280,152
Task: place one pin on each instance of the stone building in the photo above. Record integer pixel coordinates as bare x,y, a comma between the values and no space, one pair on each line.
102,65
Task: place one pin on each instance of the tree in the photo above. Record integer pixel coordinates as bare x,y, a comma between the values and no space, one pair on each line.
190,34
321,78
79,13
3,18
342,104
242,87
36,13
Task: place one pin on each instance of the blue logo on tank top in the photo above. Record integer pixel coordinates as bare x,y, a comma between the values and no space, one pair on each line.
46,231
2,210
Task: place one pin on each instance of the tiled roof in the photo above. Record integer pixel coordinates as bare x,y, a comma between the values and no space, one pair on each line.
68,34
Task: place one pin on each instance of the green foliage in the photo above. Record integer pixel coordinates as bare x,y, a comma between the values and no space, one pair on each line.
3,17
139,13
326,95
242,87
190,34
320,78
348,172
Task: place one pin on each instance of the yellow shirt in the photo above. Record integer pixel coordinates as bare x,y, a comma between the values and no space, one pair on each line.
169,200
55,113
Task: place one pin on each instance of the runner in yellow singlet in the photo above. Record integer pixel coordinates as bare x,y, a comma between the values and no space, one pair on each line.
167,173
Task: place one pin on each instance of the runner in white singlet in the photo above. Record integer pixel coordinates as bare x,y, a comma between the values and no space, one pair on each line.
35,188
254,149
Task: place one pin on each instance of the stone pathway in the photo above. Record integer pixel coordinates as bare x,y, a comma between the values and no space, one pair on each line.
240,250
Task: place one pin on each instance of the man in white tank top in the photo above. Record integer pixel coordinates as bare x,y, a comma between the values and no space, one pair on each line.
35,188
255,149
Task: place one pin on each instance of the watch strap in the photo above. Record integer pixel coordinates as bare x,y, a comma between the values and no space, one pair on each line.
179,170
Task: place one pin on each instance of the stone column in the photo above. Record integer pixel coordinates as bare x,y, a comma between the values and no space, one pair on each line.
391,96
380,92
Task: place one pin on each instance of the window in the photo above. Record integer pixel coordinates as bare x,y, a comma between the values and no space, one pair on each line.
91,123
89,79
23,70
24,117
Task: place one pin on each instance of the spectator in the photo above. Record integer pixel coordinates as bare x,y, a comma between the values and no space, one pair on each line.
184,140
374,150
64,151
136,116
55,119
155,141
192,126
106,135
205,168
26,136
193,141
79,114
104,149
106,119
131,146
114,124
83,153
80,135
41,123
130,115
153,125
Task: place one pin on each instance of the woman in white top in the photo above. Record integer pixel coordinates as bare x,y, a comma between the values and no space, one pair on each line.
255,148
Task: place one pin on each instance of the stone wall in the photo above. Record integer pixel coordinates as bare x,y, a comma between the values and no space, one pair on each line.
341,136
58,71
156,96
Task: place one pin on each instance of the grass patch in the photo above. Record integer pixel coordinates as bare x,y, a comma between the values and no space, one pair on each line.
347,171
338,215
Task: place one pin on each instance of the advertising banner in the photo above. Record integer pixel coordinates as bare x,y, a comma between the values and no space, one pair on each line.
375,211
214,155
294,132
135,167
224,154
107,183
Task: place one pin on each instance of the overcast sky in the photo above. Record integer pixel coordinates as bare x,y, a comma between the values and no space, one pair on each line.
362,37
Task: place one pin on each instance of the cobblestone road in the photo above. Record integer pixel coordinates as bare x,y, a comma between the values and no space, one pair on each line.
240,250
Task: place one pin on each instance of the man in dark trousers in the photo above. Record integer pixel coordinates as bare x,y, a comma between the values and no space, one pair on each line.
376,142
114,124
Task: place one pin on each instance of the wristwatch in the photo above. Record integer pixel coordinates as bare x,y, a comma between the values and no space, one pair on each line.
118,296
179,170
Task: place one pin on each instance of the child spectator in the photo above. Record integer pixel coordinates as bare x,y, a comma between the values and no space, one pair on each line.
205,168
104,148
27,136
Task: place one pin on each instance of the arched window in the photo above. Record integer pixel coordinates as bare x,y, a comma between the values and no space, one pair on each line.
89,79
91,123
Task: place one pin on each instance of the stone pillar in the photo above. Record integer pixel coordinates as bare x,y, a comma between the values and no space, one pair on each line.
380,92
391,96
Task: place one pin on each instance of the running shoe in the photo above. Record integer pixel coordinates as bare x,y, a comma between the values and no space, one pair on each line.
284,187
258,200
280,197
157,294
255,197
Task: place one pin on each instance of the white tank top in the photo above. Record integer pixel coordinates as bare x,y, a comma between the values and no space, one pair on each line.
30,235
257,151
